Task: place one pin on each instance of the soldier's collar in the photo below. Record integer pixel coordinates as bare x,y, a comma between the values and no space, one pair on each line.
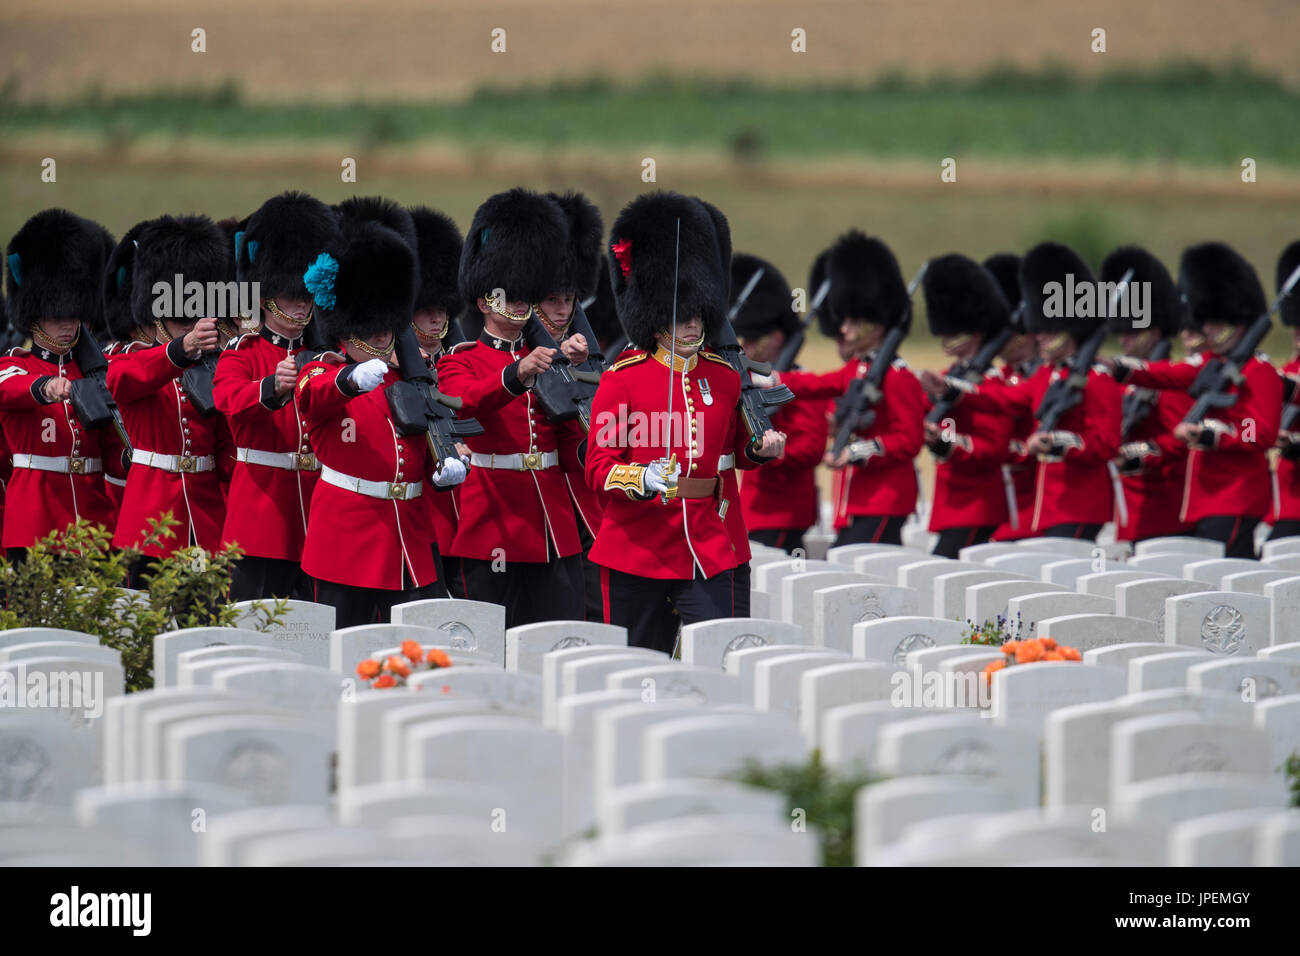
500,344
678,363
45,355
282,341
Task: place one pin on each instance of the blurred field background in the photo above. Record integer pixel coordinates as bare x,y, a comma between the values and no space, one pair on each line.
1143,143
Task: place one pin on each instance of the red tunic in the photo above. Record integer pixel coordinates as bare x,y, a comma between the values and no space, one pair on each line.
1233,477
1287,506
783,493
1019,469
272,504
630,427
522,516
1153,494
39,502
352,538
968,484
1077,487
160,419
884,484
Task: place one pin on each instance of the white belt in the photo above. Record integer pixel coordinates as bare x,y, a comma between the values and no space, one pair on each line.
530,461
120,482
64,466
726,463
286,460
387,490
187,464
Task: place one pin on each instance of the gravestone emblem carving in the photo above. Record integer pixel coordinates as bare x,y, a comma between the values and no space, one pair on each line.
968,757
256,769
24,770
460,636
741,643
1223,630
1201,757
564,642
913,642
872,610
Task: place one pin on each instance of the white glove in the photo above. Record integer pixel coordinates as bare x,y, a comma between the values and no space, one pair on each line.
453,472
369,374
657,475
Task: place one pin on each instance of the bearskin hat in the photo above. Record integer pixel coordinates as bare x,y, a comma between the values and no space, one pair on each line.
439,244
383,211
826,321
192,246
768,306
601,313
281,240
365,282
1219,285
644,255
54,269
1164,306
1290,308
119,274
1050,264
580,268
516,243
1005,268
866,282
962,297
231,228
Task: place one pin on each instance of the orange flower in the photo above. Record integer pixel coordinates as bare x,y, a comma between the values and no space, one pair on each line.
397,666
1029,651
438,657
368,668
992,666
1071,654
1010,647
385,680
1049,643
1053,656
413,651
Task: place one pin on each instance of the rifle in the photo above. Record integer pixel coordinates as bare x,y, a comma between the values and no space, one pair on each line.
561,390
855,410
973,371
418,406
1065,393
785,358
1139,402
1210,388
754,401
196,382
92,402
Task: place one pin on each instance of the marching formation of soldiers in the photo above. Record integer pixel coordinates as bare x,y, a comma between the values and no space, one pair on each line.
580,424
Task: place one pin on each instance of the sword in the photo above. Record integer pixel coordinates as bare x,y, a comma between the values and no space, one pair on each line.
670,459
745,293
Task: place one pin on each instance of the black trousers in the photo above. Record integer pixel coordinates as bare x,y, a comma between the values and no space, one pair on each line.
259,579
740,583
1072,530
952,540
448,568
531,592
1237,532
354,605
1285,529
872,529
787,539
637,604
592,602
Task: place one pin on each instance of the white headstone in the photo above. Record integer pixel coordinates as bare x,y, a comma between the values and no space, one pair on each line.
161,815
1104,583
796,595
1032,608
1163,801
619,735
476,626
507,688
777,681
987,602
950,590
1284,609
1166,671
1169,562
1212,571
848,733
44,760
1251,678
1084,632
708,643
1067,573
271,760
528,644
890,640
1218,839
1280,717
1279,547
168,645
576,722
836,610
311,693
1252,582
659,800
29,635
1020,561
1146,598
719,746
1024,694
835,685
553,665
883,810
304,630
71,650
1161,745
1220,622
1118,655
962,744
349,646
1180,544
670,681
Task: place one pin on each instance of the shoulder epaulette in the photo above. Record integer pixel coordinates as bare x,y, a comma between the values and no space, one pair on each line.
714,357
239,340
18,352
468,344
899,363
632,359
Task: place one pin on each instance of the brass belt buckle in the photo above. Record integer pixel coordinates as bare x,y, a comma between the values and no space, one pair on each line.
76,466
397,490
187,463
532,461
306,462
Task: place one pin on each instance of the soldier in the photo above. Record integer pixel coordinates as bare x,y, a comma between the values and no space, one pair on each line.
174,462
439,244
370,540
1227,491
1151,461
778,503
276,471
54,268
517,540
661,537
1074,496
1019,361
869,297
1286,512
964,306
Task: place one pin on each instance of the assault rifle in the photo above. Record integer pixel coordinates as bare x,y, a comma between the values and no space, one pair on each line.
1139,402
855,410
754,401
418,406
971,371
92,402
562,389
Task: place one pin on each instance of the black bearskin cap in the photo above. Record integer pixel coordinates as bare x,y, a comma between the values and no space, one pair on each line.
962,297
866,282
439,245
365,283
119,273
1048,264
54,269
192,246
1164,306
826,321
281,240
516,243
1290,308
1219,285
580,268
768,306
